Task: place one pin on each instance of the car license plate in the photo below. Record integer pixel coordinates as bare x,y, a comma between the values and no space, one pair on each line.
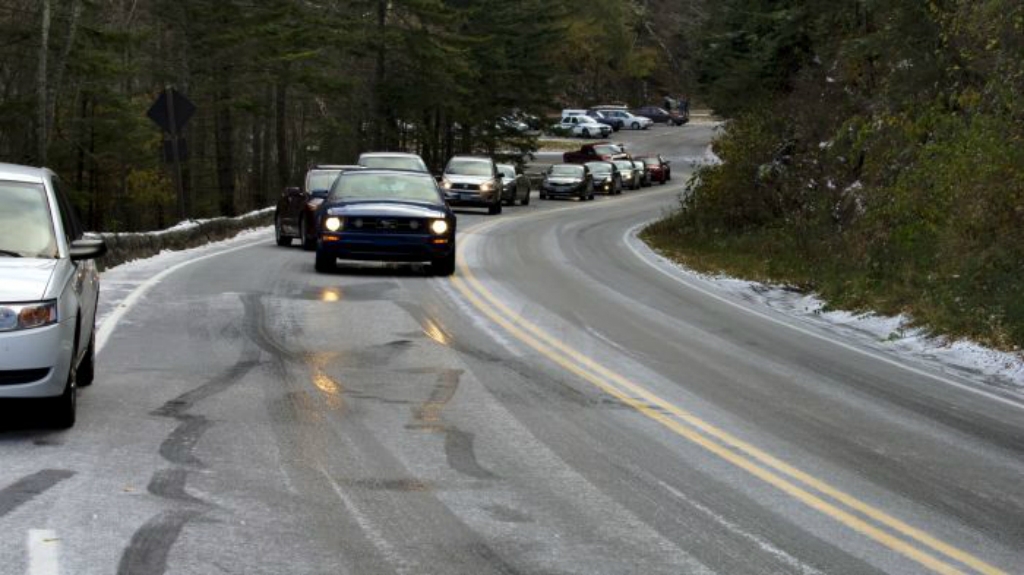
468,196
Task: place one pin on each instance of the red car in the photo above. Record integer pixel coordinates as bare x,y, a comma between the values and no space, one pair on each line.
599,151
658,168
295,216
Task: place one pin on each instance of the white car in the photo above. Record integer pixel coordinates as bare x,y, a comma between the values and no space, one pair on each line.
48,292
629,120
585,127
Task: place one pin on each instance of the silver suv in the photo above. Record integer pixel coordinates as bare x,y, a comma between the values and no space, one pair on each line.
48,292
473,181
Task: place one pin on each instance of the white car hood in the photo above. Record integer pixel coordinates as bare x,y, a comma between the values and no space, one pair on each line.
24,279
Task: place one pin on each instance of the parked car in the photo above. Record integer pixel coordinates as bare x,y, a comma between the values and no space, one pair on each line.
603,118
386,215
658,167
631,174
645,174
628,120
473,181
393,161
295,214
568,181
48,293
607,177
660,115
515,186
584,127
606,151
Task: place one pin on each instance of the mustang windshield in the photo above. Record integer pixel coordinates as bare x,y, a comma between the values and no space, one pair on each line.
571,171
26,229
600,168
383,187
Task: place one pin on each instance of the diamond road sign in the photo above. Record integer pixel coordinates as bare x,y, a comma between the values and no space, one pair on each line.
171,103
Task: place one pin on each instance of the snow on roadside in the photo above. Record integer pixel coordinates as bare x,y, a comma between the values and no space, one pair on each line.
118,282
886,334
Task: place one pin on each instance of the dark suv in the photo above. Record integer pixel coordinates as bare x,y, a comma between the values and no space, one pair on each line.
295,216
473,181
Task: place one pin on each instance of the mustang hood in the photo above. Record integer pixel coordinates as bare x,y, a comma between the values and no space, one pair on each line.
389,209
25,279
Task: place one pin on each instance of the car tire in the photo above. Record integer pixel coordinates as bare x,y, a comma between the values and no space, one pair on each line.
445,266
526,200
542,196
636,125
279,235
307,243
62,410
325,263
668,176
586,133
86,369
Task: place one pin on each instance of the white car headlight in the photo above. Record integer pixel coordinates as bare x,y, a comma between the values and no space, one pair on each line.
446,184
333,224
27,315
486,186
439,227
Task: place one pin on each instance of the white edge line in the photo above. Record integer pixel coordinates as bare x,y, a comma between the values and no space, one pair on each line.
110,322
43,552
631,233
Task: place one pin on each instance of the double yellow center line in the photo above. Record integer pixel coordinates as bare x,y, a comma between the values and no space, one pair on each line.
863,518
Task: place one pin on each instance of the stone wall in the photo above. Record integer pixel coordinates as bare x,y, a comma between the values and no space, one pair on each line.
132,246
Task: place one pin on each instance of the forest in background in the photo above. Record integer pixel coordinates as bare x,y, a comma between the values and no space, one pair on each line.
873,153
282,84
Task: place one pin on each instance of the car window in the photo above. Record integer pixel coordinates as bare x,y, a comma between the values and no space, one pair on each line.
72,229
393,163
608,149
625,165
599,167
26,228
354,186
564,170
508,171
469,168
321,179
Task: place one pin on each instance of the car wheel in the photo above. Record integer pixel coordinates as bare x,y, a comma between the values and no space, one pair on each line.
494,208
325,263
526,199
63,409
668,176
86,369
586,133
279,235
636,125
444,266
542,196
308,244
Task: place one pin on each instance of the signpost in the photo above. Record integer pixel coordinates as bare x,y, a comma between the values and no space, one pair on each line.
171,111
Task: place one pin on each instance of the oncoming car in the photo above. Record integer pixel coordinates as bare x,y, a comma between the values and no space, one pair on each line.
390,216
393,161
48,293
568,180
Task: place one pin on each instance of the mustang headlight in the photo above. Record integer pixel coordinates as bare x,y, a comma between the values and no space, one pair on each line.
333,223
439,227
27,315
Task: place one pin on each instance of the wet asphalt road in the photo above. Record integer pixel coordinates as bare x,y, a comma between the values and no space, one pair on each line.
559,406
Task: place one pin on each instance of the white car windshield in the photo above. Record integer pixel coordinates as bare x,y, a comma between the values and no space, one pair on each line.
468,168
357,187
26,229
393,163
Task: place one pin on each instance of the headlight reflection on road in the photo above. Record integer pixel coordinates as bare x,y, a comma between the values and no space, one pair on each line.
328,386
434,332
330,294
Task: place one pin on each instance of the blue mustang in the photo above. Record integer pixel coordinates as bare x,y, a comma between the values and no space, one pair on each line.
386,215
